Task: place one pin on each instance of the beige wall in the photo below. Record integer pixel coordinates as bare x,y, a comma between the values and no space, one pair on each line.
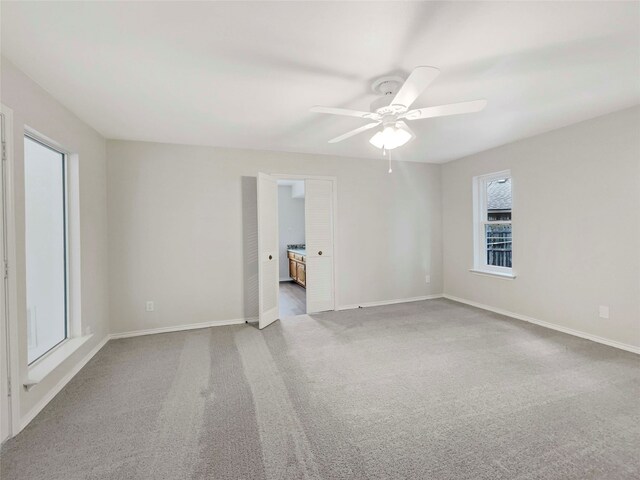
576,227
182,230
35,108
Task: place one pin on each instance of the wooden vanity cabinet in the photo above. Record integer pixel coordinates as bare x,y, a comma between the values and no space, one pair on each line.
297,268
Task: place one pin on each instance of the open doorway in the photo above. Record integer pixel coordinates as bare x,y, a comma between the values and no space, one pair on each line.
314,263
292,248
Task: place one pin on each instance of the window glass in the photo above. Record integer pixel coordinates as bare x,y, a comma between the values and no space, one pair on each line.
498,235
45,247
498,244
499,200
492,215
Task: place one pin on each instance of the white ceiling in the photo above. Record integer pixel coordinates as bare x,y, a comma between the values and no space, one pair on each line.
244,74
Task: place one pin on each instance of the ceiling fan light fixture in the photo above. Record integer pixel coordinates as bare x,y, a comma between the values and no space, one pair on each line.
391,137
391,113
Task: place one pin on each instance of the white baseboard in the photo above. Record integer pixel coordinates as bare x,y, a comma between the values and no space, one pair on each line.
389,302
552,326
24,421
178,328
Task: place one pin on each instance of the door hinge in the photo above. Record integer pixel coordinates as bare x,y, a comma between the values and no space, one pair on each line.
9,387
6,269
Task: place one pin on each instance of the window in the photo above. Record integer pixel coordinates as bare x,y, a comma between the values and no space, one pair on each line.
492,223
45,247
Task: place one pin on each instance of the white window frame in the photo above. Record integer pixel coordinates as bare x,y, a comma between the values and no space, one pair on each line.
65,214
480,221
77,334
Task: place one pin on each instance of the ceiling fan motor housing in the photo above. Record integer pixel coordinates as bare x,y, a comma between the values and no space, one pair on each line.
387,87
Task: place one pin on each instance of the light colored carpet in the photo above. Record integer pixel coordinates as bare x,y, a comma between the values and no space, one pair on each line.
424,390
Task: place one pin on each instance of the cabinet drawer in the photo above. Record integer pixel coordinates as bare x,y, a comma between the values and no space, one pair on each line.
298,257
291,255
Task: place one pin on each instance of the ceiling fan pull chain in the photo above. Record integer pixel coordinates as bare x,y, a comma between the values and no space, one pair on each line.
390,169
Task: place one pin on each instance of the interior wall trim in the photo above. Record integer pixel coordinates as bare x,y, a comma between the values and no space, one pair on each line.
552,326
37,408
29,416
389,302
178,328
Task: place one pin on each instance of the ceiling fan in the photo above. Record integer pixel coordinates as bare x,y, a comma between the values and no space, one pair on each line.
392,109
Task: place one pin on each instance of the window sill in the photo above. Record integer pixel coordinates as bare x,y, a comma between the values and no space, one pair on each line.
504,276
40,369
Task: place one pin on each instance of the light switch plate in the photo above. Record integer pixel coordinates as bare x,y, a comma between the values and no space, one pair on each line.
604,311
150,306
427,279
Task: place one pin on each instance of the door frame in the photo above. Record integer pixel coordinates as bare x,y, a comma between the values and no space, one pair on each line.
334,186
9,287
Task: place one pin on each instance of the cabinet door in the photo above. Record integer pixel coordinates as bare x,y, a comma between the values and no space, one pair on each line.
302,277
292,269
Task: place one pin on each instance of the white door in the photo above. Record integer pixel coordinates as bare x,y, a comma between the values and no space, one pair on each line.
318,206
268,279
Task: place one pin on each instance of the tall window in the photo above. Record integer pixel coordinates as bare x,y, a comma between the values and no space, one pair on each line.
45,246
492,222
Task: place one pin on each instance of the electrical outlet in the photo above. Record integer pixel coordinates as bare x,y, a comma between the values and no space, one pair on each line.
604,311
87,330
428,278
150,306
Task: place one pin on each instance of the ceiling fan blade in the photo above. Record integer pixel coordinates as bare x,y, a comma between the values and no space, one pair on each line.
364,128
420,78
345,112
405,127
442,110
